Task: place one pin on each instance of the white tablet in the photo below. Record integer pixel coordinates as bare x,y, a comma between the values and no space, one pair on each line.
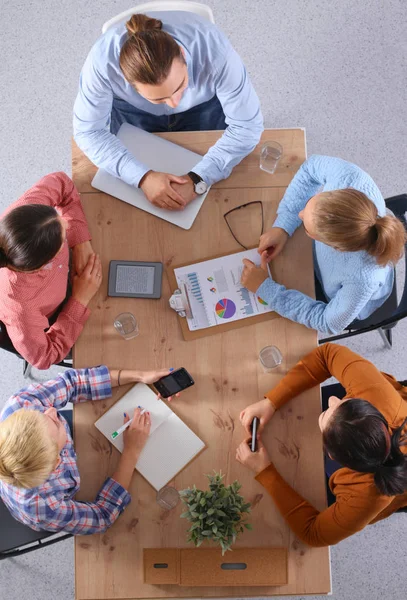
134,279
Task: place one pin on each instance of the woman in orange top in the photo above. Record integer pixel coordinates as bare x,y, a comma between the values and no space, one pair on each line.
363,432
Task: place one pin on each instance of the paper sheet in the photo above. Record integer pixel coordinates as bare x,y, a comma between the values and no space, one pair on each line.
215,293
139,395
168,451
171,444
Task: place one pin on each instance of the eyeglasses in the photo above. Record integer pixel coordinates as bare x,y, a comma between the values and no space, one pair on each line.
226,216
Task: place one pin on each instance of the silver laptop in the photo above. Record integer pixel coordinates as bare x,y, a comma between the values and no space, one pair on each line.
159,155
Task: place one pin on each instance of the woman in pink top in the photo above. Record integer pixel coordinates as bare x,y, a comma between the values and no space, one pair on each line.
36,235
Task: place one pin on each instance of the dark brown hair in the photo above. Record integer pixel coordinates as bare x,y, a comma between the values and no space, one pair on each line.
348,220
148,53
357,436
30,236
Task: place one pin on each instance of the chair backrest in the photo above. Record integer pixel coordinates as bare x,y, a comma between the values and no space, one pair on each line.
398,205
158,5
14,534
5,341
17,539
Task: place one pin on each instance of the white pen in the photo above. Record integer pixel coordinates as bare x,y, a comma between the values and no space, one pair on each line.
119,431
268,270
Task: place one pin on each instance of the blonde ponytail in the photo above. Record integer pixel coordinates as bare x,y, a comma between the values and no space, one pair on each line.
28,454
390,240
348,221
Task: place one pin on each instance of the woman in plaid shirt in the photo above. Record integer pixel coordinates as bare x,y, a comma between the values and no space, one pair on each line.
38,472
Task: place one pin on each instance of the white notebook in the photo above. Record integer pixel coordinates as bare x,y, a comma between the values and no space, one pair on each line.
171,444
160,155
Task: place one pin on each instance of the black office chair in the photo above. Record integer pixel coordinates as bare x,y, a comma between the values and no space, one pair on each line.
386,316
7,344
336,389
17,539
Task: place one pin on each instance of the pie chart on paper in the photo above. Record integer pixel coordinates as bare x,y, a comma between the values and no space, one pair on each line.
225,308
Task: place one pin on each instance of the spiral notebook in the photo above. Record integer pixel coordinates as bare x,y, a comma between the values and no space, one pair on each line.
171,444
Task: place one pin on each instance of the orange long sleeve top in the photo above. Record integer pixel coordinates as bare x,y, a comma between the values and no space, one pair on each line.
358,501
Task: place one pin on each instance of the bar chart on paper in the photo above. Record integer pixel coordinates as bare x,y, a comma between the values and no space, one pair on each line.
247,306
215,293
194,287
199,318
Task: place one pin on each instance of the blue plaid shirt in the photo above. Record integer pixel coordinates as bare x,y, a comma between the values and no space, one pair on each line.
51,506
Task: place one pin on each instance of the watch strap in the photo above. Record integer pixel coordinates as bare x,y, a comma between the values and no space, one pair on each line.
195,178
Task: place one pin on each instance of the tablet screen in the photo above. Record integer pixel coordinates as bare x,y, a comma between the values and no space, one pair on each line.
134,279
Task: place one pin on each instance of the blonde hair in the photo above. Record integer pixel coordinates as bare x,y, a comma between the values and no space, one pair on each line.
28,454
348,220
148,53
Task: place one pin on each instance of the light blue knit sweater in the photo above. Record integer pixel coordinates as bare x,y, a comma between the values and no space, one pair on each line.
354,283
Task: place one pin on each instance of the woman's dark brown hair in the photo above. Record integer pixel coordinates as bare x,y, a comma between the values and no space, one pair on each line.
357,436
30,236
148,53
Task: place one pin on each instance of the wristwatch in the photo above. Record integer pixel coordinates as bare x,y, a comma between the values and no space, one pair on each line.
199,185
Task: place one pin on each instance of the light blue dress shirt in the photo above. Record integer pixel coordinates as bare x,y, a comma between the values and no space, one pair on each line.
353,281
214,68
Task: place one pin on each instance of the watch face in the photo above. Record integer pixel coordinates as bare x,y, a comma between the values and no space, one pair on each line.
201,187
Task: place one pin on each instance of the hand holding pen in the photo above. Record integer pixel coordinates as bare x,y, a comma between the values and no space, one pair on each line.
127,423
135,431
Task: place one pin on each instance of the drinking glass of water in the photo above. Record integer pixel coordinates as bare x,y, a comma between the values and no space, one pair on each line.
270,154
270,357
167,497
126,324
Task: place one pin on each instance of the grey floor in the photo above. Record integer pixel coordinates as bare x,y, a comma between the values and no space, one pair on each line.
336,68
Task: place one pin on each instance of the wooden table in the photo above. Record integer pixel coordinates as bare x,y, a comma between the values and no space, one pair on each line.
227,374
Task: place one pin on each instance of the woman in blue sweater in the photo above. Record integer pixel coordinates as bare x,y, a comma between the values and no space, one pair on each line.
356,245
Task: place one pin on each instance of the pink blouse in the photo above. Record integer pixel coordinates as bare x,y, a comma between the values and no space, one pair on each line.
27,300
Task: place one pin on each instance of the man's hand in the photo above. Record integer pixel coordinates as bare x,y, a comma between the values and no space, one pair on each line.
253,276
186,190
81,254
158,190
86,285
272,242
255,461
136,435
263,410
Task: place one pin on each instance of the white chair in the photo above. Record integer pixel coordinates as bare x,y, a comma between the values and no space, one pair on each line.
194,7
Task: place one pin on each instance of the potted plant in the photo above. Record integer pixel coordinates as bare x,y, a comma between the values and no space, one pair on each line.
216,514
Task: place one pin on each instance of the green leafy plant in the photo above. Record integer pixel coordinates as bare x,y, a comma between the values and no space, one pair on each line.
216,514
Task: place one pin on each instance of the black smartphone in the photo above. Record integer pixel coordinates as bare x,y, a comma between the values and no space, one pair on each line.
255,425
173,383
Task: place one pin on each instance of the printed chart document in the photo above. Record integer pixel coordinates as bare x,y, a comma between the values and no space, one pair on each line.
171,444
215,293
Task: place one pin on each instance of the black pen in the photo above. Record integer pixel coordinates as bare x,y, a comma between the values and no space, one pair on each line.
255,424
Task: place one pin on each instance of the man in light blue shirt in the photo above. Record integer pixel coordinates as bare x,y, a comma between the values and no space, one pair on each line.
204,86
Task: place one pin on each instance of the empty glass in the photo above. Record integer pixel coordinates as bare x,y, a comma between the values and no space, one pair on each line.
126,324
270,154
167,497
270,357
